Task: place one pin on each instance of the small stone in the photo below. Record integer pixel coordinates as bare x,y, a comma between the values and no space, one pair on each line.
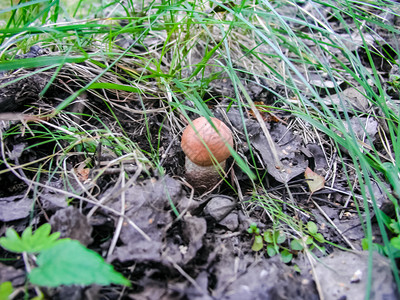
231,221
219,207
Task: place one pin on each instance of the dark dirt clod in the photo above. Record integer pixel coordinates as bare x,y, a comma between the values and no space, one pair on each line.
22,92
9,273
194,229
70,222
148,206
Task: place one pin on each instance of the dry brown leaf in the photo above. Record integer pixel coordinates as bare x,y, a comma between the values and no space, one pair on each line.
315,182
83,173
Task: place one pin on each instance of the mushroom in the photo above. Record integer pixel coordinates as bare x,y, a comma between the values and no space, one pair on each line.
206,152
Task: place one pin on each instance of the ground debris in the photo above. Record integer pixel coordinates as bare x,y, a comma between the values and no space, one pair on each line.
344,274
219,207
15,207
148,206
9,273
72,224
305,88
288,148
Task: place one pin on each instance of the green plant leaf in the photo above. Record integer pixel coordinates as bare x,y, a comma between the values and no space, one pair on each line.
6,290
28,242
364,244
113,86
297,269
258,243
253,229
286,256
322,249
296,245
271,250
392,174
395,242
268,237
69,263
280,237
393,249
312,227
39,62
319,237
309,240
395,226
253,226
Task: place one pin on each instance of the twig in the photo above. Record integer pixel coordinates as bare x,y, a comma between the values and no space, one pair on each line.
28,270
187,276
118,228
314,274
333,224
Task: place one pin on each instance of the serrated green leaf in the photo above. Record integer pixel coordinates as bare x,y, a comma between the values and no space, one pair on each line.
258,243
11,241
69,263
27,234
271,250
312,227
6,290
286,256
32,243
296,245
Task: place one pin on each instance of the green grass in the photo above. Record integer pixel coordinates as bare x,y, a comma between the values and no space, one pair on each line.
178,48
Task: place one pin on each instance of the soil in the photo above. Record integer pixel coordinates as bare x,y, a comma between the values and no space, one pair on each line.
206,252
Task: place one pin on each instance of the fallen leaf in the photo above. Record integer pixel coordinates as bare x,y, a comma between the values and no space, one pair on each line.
315,182
288,146
15,207
83,174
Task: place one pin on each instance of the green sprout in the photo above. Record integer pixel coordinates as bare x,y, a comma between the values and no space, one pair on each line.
278,242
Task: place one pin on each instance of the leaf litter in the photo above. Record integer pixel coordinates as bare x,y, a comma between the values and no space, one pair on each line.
205,253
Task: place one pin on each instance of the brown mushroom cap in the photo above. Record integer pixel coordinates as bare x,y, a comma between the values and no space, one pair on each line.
195,150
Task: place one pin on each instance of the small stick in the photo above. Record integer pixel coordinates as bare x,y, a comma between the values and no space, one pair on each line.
333,224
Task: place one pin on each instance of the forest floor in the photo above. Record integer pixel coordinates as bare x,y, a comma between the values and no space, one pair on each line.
90,143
